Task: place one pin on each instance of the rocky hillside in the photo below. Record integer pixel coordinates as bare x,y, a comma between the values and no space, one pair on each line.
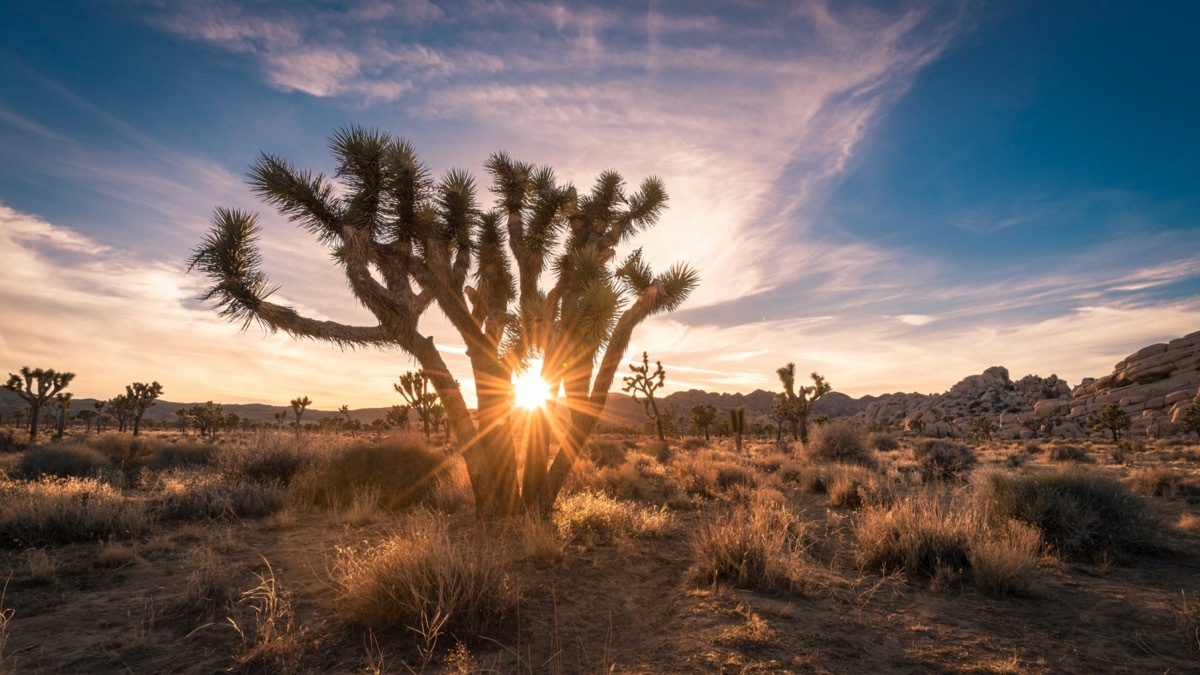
990,394
1153,385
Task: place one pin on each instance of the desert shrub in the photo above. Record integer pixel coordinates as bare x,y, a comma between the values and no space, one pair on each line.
623,482
210,585
404,470
630,444
63,460
10,443
1004,559
839,441
852,486
921,535
599,518
707,477
694,444
940,458
1162,481
125,450
214,497
272,459
1068,453
181,455
771,463
662,451
420,577
66,510
606,453
1080,513
808,478
540,540
759,547
882,441
730,476
1033,448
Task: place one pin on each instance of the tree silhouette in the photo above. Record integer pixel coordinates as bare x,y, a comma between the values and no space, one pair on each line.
703,416
62,403
414,387
298,406
397,417
406,242
737,424
797,401
1110,417
141,396
36,387
646,383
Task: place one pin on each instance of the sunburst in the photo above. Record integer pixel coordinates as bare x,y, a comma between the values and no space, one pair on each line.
530,390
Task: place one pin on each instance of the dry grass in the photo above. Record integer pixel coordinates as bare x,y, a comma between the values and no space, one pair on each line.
940,458
1187,617
210,586
64,460
66,510
116,554
42,565
273,642
206,496
760,547
540,540
922,535
422,579
1004,560
125,450
1164,481
1069,453
598,518
852,486
401,472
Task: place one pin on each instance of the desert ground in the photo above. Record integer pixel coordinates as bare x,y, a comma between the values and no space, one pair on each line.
271,552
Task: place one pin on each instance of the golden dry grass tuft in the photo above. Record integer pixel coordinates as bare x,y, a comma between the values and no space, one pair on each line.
598,518
922,535
272,641
760,546
65,510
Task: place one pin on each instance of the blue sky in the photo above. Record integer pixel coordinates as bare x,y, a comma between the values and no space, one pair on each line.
896,195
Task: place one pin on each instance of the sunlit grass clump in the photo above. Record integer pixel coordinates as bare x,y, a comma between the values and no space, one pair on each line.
399,472
760,547
60,511
599,518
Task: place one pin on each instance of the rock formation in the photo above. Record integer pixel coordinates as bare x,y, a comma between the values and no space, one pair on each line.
990,394
1153,385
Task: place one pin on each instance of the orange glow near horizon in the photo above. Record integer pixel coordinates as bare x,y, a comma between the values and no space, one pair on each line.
530,390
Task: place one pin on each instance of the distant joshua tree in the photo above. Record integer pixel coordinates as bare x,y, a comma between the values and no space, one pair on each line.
298,406
737,424
280,418
87,416
62,403
982,428
1112,418
36,387
141,396
646,383
414,387
798,401
397,417
703,416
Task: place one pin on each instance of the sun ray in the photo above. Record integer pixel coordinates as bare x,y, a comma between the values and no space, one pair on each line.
530,390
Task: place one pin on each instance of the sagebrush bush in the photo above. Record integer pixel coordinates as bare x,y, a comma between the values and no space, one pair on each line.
271,458
704,476
403,469
67,510
599,518
694,444
1069,453
839,441
1080,513
852,486
125,450
808,478
662,451
940,458
181,455
606,453
214,497
1162,481
760,547
882,441
10,443
1004,560
64,460
421,576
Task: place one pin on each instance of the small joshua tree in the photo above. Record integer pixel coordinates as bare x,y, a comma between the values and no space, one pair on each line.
87,416
397,417
737,424
1189,419
62,403
119,409
414,387
644,382
798,401
141,396
298,407
982,428
1112,418
703,416
36,387
280,418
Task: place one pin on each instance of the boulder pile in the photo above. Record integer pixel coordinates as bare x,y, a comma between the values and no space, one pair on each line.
990,394
1153,385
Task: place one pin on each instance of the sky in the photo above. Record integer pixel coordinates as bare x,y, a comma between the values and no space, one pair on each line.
894,194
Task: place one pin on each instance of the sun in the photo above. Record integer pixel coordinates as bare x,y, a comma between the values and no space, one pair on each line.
530,390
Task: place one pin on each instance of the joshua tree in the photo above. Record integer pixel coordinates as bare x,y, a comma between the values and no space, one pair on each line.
100,415
208,417
184,419
119,409
982,428
280,418
87,416
1112,418
437,417
1189,419
406,242
703,416
646,383
36,387
345,410
798,401
952,422
62,403
298,406
779,415
141,396
397,417
414,387
737,424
